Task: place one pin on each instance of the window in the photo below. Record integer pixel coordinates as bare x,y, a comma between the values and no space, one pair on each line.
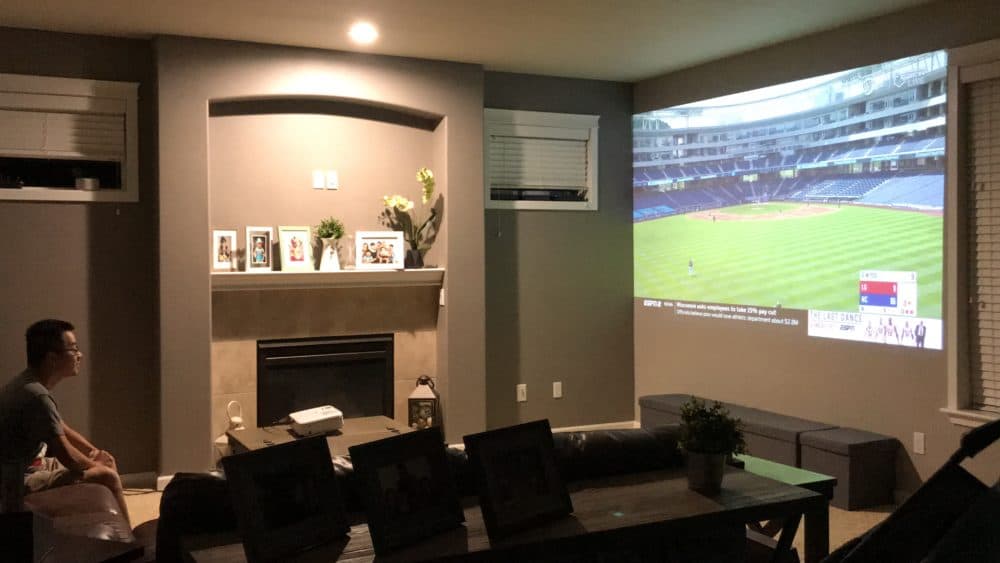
974,227
537,160
67,139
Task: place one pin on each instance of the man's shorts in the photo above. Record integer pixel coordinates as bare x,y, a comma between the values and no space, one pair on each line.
48,473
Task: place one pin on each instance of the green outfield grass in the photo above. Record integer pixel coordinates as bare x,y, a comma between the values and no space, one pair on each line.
801,262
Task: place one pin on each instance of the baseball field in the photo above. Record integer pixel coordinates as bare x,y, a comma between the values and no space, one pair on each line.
803,256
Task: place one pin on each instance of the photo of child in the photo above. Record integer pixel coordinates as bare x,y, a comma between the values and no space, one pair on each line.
223,250
258,254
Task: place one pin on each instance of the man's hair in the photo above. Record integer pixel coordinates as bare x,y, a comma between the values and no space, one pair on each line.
43,337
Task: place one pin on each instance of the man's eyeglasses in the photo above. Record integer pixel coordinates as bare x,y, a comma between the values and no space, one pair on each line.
72,350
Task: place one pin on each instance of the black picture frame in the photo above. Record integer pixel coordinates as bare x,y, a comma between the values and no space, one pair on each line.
286,499
516,475
407,488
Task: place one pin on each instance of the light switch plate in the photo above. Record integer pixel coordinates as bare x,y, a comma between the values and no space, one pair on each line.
522,392
319,180
332,180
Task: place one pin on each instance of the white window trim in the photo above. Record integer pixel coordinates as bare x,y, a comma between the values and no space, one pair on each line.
584,125
965,64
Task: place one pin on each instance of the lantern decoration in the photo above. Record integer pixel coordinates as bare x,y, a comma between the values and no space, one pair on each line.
424,404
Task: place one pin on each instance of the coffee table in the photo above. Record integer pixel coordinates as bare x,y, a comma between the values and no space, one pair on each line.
637,510
355,431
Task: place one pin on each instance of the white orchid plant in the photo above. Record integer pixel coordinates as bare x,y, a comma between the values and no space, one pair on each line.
398,214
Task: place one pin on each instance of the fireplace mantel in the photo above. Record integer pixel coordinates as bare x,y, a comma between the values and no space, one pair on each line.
237,281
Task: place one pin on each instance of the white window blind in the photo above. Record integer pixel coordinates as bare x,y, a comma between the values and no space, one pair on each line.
537,160
39,133
983,174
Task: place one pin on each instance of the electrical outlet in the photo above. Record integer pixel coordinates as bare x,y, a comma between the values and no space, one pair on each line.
918,443
557,389
522,392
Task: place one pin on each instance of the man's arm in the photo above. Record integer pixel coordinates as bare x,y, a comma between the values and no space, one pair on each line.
89,450
77,440
62,449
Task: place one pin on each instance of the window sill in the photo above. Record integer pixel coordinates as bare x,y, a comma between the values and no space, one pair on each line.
968,418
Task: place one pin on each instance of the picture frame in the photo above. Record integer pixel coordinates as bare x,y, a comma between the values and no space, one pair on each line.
296,248
223,250
517,478
259,255
407,488
286,499
379,250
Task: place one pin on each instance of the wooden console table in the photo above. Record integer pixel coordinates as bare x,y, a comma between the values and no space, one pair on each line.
355,431
630,510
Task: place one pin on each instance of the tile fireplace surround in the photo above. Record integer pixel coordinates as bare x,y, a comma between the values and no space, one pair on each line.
240,318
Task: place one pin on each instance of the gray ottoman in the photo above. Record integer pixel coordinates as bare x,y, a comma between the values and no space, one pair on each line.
659,410
774,436
864,464
768,435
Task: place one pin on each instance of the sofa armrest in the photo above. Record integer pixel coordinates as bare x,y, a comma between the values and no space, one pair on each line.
83,509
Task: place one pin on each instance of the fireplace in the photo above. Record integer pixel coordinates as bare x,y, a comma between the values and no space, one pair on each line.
352,373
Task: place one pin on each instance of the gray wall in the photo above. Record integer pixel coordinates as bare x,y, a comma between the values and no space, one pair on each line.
193,72
889,390
559,283
93,264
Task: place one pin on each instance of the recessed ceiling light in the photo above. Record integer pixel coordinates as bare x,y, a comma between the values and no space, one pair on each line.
363,33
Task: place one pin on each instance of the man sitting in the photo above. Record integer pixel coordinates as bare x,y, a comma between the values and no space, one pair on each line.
31,428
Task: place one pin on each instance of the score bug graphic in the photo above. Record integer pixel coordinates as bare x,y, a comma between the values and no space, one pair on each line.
887,292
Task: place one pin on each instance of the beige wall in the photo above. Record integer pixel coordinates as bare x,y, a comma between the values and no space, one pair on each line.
890,390
191,74
559,283
92,264
260,172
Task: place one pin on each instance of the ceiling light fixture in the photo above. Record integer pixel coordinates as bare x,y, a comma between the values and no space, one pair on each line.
363,33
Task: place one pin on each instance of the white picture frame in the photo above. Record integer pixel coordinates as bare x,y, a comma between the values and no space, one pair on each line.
379,250
296,248
259,256
223,250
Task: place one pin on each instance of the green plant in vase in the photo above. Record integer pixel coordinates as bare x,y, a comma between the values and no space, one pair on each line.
709,435
330,230
400,215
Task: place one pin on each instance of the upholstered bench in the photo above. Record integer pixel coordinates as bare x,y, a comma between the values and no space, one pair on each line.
768,435
864,464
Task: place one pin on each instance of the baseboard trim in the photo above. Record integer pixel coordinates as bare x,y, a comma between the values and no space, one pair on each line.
162,481
143,480
623,425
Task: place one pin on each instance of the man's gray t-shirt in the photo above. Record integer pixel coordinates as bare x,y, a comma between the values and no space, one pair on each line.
28,417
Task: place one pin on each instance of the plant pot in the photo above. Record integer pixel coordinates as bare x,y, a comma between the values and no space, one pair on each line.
413,259
330,262
705,471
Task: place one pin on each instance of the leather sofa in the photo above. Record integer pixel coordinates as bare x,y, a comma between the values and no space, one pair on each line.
84,509
199,504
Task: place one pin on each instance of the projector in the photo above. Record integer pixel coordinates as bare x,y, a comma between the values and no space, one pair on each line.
319,420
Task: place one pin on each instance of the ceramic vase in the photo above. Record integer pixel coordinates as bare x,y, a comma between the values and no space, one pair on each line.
330,262
705,471
413,259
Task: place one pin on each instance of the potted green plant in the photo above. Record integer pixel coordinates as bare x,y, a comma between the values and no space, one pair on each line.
329,230
709,435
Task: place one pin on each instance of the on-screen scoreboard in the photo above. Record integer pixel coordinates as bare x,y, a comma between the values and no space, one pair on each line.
887,293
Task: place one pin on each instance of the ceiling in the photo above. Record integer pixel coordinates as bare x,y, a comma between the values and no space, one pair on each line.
625,40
